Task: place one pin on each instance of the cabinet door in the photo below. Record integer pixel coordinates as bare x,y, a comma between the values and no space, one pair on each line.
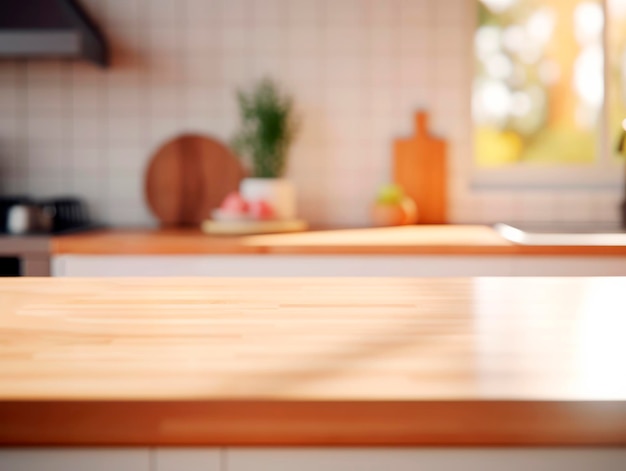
441,459
70,459
186,459
570,266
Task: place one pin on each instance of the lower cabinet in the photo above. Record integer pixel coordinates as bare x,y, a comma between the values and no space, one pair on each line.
64,459
441,459
280,265
312,459
569,266
335,265
188,459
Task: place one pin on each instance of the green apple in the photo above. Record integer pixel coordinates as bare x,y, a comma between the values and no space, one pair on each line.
390,194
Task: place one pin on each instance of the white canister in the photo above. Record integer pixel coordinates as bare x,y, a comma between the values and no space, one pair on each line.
20,219
279,193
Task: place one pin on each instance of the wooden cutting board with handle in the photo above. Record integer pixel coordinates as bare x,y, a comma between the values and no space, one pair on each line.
420,167
188,177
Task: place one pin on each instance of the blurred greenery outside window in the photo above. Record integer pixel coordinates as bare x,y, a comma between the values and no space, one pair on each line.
542,94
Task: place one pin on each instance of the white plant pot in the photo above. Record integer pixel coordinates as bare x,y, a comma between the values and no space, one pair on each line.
278,192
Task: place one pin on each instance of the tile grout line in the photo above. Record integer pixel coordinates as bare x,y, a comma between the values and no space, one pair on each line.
72,177
25,135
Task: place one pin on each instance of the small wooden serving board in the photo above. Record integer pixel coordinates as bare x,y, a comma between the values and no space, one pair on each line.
420,168
253,227
188,177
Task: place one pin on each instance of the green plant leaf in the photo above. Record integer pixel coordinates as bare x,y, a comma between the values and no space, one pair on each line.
267,129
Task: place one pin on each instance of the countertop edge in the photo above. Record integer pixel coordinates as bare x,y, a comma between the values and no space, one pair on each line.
442,240
319,423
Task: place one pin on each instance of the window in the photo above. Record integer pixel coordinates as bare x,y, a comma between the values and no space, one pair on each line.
547,106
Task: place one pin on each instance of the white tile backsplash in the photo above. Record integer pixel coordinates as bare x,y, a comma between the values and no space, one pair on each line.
165,12
89,129
304,13
572,207
538,206
203,14
343,13
235,13
270,13
358,70
605,207
45,97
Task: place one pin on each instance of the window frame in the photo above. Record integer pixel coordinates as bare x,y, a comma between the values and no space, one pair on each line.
606,172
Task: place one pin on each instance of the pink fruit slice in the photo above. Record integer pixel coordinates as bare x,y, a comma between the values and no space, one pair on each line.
234,203
261,209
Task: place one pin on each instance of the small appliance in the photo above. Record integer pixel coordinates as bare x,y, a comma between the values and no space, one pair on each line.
25,216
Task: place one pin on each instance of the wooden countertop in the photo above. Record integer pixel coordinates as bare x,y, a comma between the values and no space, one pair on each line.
417,240
491,361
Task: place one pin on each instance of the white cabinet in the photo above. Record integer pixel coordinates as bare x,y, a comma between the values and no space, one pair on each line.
312,459
187,459
569,266
75,459
441,459
335,265
282,265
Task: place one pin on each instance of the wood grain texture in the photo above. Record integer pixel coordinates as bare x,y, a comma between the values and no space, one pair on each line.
420,167
188,177
409,240
520,361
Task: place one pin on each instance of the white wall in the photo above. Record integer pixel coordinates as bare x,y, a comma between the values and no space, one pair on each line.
358,70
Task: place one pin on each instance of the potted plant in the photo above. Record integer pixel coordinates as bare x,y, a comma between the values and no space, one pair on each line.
263,141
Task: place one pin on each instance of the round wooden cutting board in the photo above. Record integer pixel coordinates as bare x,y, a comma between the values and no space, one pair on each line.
188,177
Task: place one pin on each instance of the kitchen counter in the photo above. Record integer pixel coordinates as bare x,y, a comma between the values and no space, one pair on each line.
415,240
340,361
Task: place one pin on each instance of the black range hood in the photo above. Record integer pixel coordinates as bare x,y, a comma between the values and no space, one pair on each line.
50,28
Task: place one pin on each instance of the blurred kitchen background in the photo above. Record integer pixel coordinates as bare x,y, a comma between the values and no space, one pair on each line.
358,70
